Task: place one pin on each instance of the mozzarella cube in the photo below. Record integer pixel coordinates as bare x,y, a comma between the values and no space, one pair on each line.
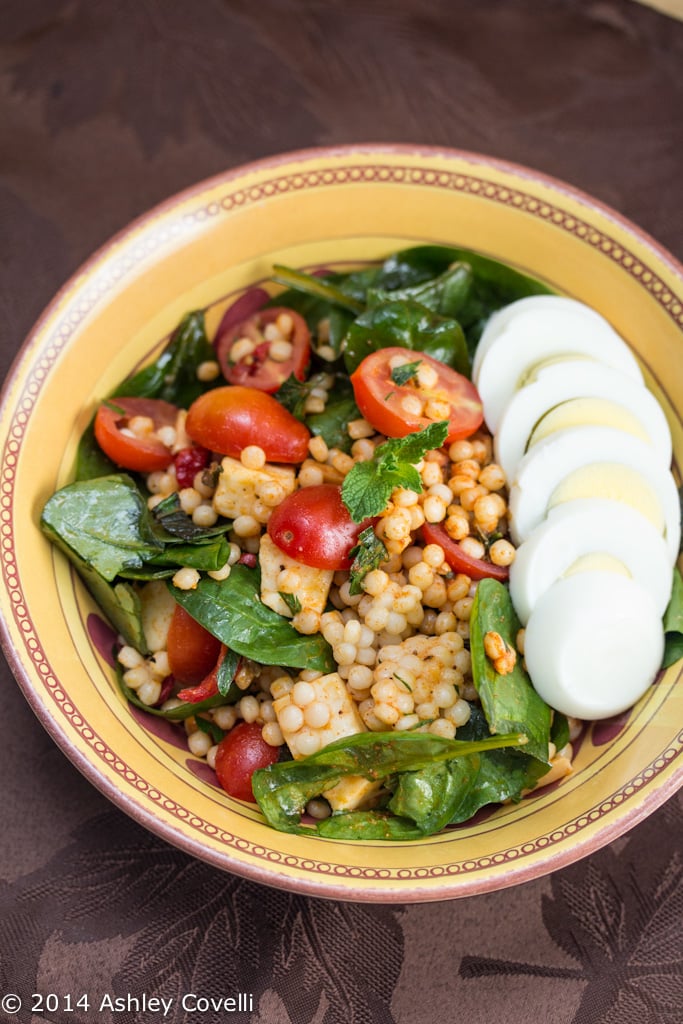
281,574
239,490
157,606
343,718
351,793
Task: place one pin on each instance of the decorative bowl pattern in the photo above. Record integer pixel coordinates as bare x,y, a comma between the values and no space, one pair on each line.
199,249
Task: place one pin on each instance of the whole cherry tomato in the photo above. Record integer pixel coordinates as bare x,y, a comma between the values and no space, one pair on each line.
263,366
227,420
314,526
459,560
396,408
239,755
192,650
142,454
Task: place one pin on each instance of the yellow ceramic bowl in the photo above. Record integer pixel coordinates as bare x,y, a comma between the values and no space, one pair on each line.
197,250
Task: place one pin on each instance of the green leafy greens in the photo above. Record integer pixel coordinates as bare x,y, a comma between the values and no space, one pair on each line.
283,790
368,486
232,610
367,554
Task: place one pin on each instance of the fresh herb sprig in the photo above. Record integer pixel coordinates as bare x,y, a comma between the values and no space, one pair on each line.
405,372
367,487
368,554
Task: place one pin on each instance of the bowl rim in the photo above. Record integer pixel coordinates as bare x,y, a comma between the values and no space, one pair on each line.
517,872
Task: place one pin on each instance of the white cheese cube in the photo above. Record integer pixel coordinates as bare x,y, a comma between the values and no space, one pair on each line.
298,722
281,574
239,490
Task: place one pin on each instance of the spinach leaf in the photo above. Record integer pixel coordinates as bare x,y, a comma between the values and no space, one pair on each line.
445,294
510,702
206,557
373,826
176,527
500,774
104,522
559,731
91,461
323,288
118,601
340,408
317,310
673,623
432,796
406,324
494,284
282,790
332,423
173,376
232,610
292,394
186,709
451,793
420,263
225,676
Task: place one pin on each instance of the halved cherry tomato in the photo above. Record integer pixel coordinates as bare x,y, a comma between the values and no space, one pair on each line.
257,368
141,454
227,420
475,568
192,650
314,526
386,405
209,684
239,755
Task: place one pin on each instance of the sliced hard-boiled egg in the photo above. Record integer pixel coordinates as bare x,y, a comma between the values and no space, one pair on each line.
502,318
585,535
593,644
593,462
601,412
539,333
628,401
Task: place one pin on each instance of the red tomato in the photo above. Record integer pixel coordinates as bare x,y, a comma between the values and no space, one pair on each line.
209,684
475,568
257,368
228,419
314,526
239,755
141,454
192,650
188,462
381,400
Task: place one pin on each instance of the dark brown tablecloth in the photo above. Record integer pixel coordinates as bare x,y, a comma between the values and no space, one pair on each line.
108,106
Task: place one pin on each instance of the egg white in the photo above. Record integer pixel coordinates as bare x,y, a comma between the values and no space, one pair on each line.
537,333
590,526
543,469
570,379
593,644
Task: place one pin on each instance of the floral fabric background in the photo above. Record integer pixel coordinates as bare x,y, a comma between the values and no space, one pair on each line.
107,108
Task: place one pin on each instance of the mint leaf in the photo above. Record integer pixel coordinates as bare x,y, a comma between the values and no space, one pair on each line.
292,601
365,492
405,372
368,554
413,447
367,488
